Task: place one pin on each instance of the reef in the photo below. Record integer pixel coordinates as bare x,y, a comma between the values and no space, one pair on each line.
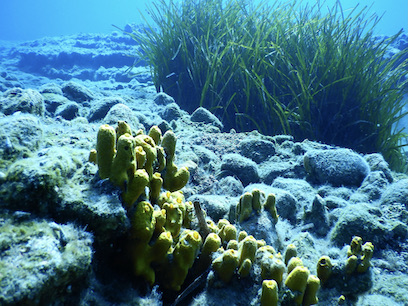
111,193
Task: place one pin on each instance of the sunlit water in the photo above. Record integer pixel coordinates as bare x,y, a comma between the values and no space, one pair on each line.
29,19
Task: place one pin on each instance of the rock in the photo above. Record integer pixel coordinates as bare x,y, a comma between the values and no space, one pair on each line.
281,167
337,167
51,257
279,139
68,111
53,101
23,100
163,99
101,107
204,155
172,111
257,149
377,163
121,112
32,184
397,192
216,207
287,206
94,204
203,115
300,189
373,185
318,216
77,92
262,226
240,166
229,186
51,88
78,56
368,223
20,135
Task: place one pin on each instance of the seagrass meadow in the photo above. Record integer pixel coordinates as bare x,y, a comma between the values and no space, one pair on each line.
313,72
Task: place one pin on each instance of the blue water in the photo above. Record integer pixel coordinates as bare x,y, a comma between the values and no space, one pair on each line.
32,19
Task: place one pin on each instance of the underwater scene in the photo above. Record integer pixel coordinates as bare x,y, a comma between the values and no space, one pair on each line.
204,152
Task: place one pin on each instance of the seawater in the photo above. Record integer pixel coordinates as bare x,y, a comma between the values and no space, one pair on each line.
28,19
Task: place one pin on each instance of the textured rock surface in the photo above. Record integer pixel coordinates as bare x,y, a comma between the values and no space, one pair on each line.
337,167
39,259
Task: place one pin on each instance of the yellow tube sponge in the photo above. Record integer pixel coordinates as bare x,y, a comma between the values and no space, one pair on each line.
226,264
355,246
233,244
351,264
156,183
313,285
269,295
211,244
143,222
169,144
270,205
173,178
367,250
156,134
149,146
228,232
293,263
124,162
297,282
161,247
272,268
136,187
160,216
244,207
184,254
122,128
143,255
174,218
247,249
324,269
245,268
291,251
105,148
140,157
161,160
257,199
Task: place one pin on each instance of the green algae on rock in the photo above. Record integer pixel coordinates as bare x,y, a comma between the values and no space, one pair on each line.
39,259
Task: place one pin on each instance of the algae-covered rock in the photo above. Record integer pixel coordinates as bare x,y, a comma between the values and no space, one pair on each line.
396,193
77,92
94,204
369,223
377,163
23,100
337,167
100,108
373,185
121,112
32,184
40,259
243,168
68,111
172,111
201,114
20,134
258,150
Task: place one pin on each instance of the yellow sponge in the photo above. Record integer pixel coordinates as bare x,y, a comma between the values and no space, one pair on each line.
269,296
297,282
105,148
